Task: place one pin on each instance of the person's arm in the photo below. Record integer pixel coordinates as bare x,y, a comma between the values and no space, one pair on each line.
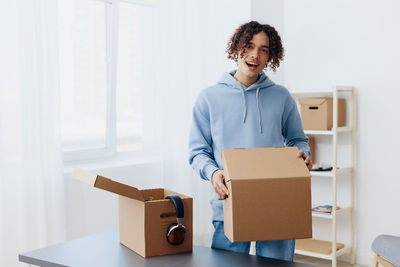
201,156
200,149
293,133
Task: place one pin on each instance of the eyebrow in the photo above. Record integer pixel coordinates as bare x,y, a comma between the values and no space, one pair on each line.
266,46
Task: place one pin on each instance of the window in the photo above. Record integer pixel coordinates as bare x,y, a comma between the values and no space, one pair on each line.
108,69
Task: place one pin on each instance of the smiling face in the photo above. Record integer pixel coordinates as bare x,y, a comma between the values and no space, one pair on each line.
254,59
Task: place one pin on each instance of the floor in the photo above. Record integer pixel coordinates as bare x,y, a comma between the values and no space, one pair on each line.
321,262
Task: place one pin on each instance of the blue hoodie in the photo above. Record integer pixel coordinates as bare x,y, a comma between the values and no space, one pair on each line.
229,115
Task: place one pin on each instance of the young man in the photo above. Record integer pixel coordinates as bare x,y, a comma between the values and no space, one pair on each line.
245,109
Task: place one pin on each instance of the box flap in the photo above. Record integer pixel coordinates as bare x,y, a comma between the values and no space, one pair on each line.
312,101
84,176
104,183
261,163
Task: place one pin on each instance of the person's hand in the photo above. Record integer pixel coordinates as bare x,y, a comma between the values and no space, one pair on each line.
218,182
307,159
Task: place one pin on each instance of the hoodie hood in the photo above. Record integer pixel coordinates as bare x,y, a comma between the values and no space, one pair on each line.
262,82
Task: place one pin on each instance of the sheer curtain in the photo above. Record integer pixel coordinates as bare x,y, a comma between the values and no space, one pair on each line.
193,40
31,176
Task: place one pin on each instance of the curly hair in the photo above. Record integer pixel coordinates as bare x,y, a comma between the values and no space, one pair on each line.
243,35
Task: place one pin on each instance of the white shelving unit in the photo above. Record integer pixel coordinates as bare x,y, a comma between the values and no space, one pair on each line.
349,93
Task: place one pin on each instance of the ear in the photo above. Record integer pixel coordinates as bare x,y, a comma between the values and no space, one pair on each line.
237,53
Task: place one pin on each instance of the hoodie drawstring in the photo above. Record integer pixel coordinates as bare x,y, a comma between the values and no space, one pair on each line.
258,107
263,82
244,106
259,110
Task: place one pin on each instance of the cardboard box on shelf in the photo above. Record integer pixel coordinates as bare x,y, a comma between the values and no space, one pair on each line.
317,113
269,194
144,215
311,144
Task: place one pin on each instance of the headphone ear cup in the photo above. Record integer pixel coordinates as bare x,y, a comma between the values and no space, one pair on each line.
169,234
175,234
169,227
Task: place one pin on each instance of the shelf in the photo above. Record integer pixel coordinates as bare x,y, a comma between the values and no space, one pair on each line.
330,173
298,95
346,249
320,248
342,90
329,215
326,132
313,254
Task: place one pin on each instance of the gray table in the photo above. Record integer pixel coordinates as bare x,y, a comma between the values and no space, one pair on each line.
104,249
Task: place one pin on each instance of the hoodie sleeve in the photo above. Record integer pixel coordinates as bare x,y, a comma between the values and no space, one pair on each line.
292,130
200,141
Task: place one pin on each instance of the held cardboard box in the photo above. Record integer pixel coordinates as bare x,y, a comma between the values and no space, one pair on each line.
144,216
317,113
269,195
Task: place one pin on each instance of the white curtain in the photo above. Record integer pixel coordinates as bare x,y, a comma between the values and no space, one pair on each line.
194,35
31,175
193,41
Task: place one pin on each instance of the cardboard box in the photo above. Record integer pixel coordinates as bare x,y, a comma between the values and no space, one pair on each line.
144,215
270,195
311,144
317,113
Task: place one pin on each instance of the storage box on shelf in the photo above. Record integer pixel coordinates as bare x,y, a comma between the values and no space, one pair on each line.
311,145
338,126
316,113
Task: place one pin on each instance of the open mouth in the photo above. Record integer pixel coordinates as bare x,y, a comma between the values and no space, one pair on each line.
252,65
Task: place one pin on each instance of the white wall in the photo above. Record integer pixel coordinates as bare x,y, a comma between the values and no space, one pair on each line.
352,43
271,12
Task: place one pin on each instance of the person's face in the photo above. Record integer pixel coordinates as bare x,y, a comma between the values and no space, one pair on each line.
255,57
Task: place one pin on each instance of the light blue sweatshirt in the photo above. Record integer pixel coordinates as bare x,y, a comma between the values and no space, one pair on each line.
229,115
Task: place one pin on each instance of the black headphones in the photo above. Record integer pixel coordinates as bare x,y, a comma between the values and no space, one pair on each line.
176,231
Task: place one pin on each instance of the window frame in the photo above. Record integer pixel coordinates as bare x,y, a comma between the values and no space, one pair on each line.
109,151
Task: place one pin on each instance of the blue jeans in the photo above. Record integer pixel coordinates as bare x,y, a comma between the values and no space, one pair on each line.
277,249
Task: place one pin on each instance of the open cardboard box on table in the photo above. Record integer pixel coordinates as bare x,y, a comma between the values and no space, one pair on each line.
269,195
144,215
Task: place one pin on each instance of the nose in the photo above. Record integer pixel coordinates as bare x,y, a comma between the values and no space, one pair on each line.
254,53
